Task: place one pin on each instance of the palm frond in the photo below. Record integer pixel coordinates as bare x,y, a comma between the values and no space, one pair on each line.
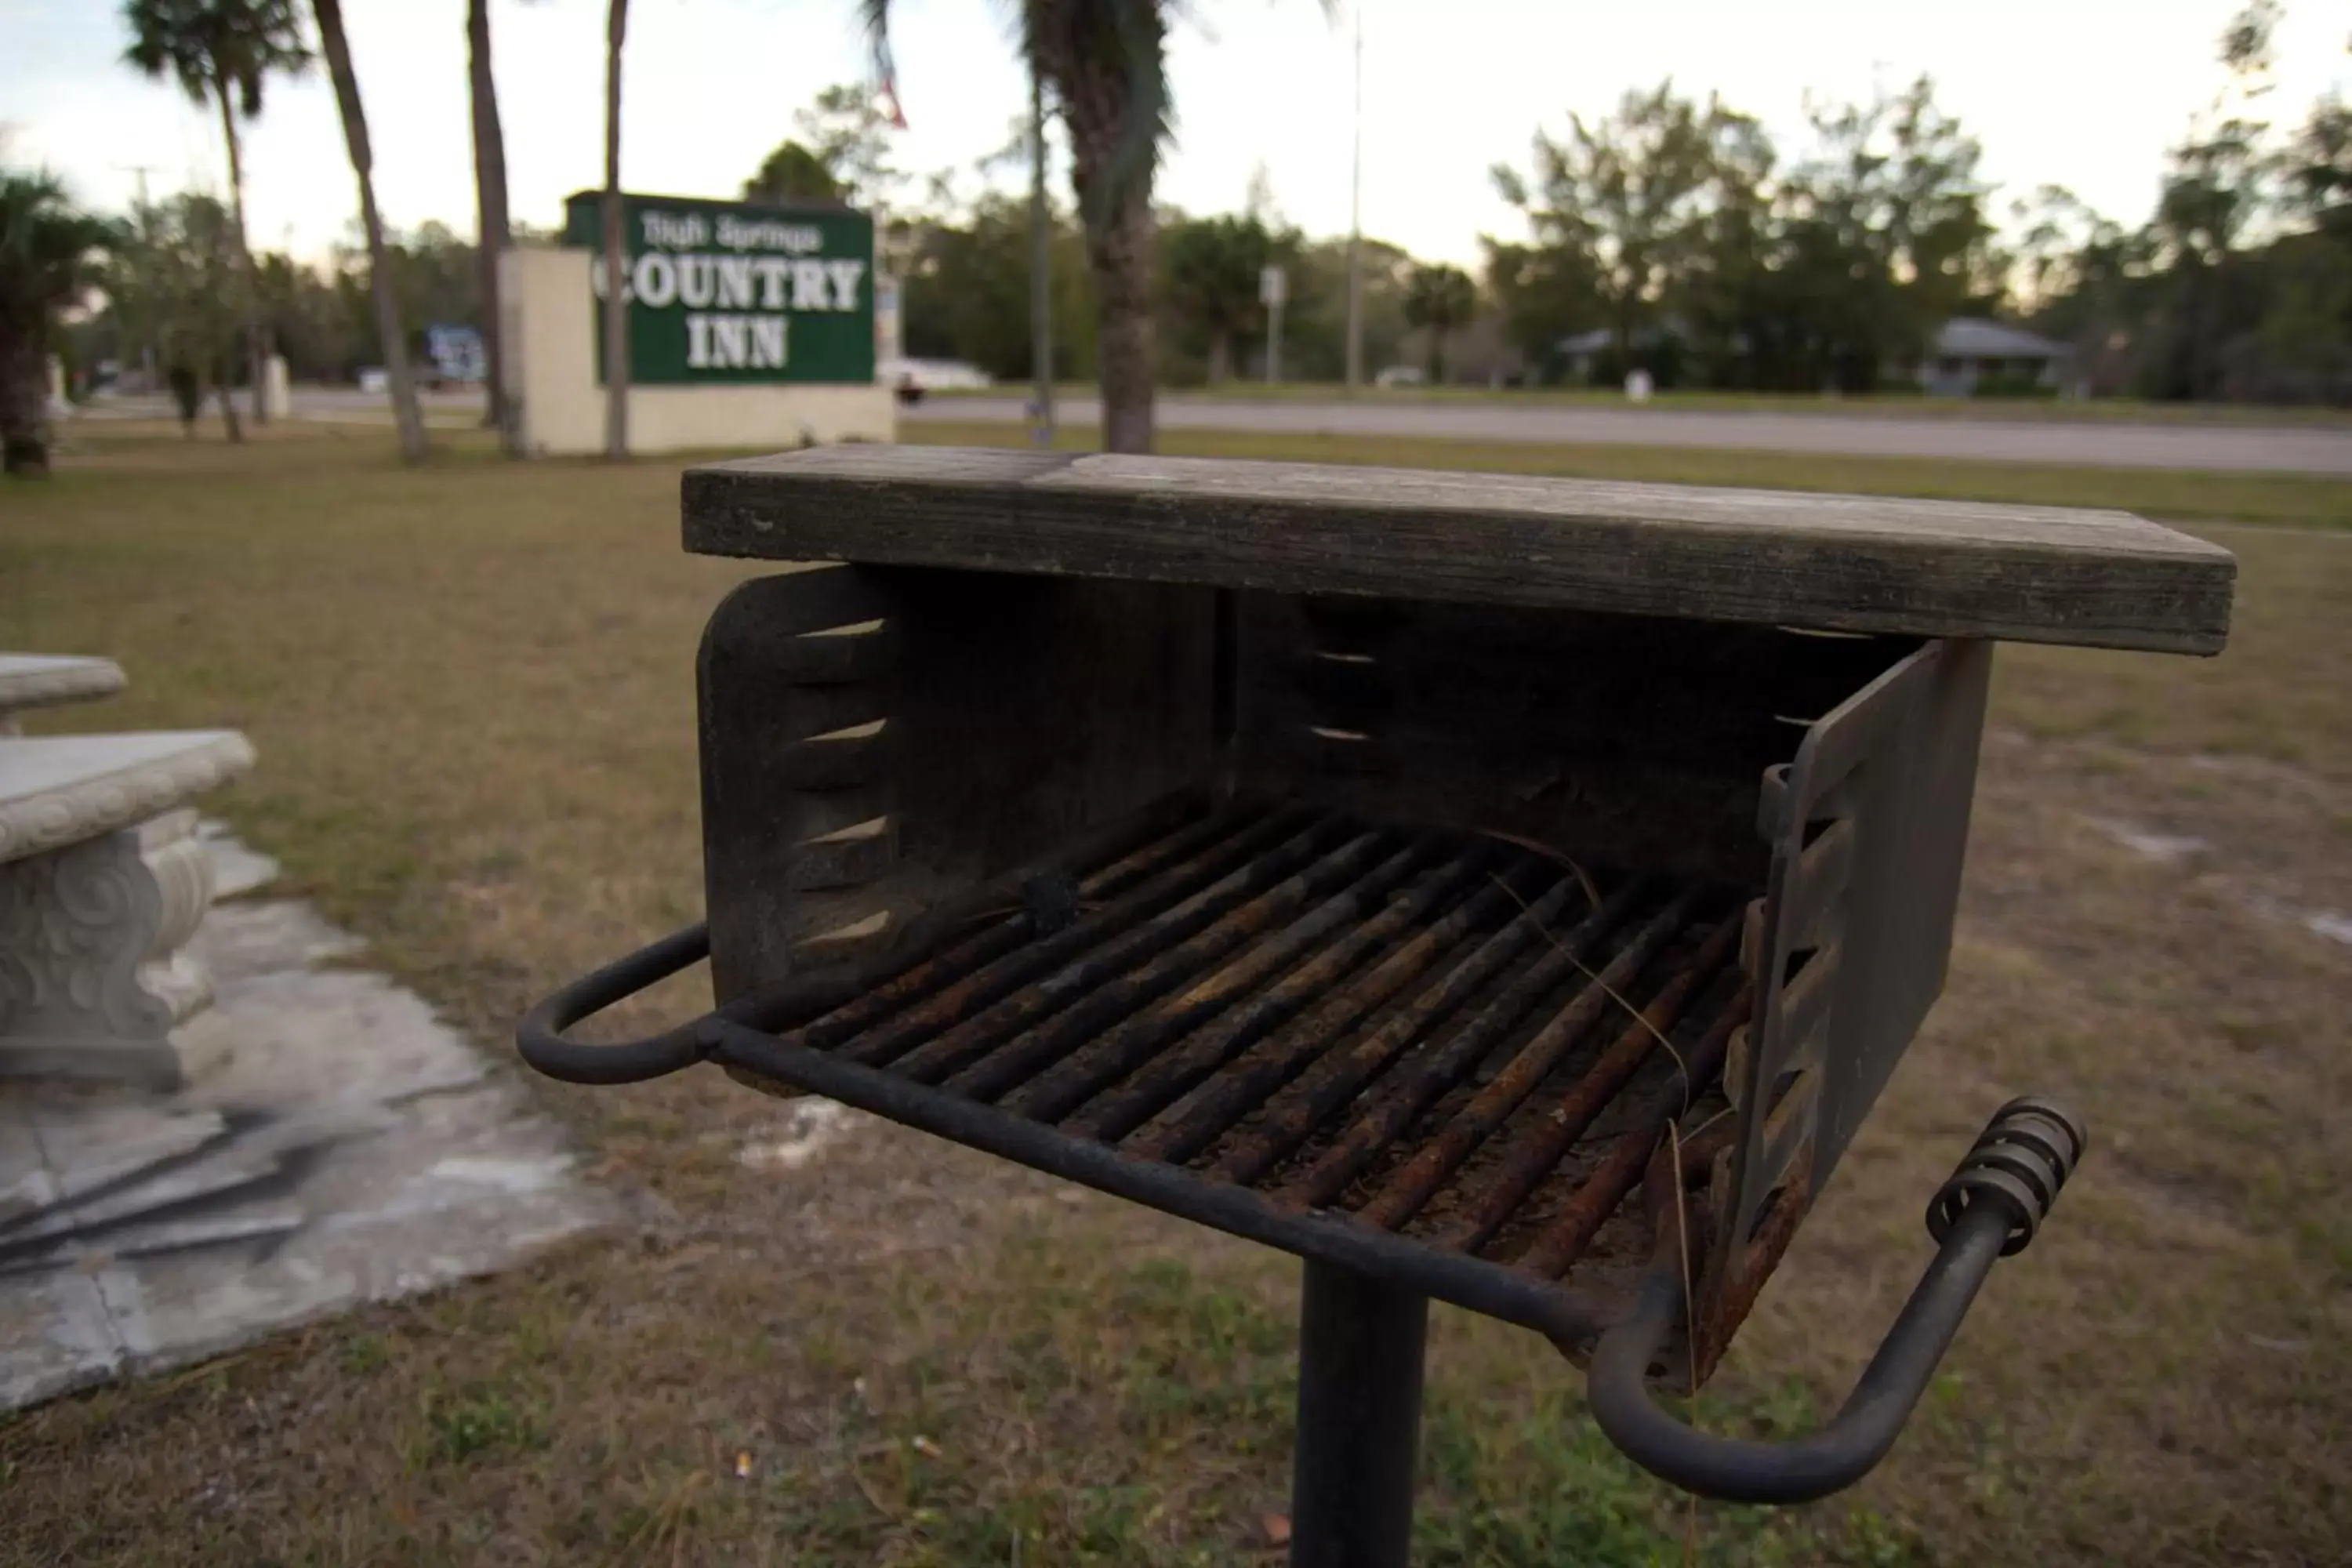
874,16
165,43
217,46
46,246
1027,32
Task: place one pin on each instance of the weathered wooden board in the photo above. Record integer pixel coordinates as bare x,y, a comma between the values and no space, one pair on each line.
1839,563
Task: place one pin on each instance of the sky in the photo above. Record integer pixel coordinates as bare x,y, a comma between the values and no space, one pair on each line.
2085,93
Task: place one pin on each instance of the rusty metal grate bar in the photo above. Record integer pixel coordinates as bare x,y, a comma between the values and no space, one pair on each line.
1445,1055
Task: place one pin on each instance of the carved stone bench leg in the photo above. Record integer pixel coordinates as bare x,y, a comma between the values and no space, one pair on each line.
94,979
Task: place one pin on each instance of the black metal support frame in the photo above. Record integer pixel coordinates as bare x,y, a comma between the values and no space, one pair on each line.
730,1037
1362,1317
1823,1462
1406,934
1360,1368
1328,1004
1272,965
1989,1210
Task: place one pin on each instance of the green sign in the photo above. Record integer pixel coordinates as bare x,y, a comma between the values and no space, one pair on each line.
722,294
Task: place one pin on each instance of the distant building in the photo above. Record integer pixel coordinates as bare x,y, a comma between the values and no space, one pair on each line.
1970,351
455,353
1579,355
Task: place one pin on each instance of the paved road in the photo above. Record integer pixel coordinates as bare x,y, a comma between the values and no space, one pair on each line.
2247,449
323,405
2235,447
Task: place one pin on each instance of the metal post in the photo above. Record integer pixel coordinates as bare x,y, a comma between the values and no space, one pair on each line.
147,349
1359,1364
1041,267
1356,226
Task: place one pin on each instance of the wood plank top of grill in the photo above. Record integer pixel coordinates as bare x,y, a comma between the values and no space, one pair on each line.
1871,563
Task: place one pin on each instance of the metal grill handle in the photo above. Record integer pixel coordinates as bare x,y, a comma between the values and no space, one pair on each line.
539,1035
1989,1208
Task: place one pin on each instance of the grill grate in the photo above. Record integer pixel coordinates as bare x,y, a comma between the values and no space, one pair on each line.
1418,1048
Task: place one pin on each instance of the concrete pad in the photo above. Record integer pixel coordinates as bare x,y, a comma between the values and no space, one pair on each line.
352,1149
24,1182
56,1335
236,869
88,1140
277,936
146,1240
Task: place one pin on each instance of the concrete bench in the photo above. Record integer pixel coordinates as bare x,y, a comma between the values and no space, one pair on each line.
102,880
44,680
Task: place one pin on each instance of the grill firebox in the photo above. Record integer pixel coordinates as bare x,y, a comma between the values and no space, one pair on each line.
1515,893
1438,1037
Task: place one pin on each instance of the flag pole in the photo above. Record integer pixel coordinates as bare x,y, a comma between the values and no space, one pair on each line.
1356,225
1041,269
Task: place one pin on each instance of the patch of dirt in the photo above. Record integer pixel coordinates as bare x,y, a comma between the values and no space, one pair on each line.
2275,837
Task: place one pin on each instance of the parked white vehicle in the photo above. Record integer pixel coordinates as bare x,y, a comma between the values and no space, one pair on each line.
911,378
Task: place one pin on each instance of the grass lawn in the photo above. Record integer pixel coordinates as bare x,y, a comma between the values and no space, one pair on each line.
1891,405
471,688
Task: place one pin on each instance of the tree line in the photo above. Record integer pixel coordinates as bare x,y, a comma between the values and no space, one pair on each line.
965,295
1704,253
1677,230
962,256
2239,284
1100,65
167,297
181,282
1709,256
179,285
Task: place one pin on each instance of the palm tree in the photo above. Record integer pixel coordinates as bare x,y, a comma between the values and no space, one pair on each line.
387,309
47,251
222,52
1440,298
1213,266
491,226
1106,61
174,272
616,307
791,175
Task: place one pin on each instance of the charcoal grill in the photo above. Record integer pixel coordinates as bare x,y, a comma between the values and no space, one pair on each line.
1509,891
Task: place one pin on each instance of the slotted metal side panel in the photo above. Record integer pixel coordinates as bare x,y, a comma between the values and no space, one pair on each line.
797,682
876,740
1911,816
1848,949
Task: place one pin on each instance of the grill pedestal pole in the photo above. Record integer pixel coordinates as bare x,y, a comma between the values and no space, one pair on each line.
1359,1364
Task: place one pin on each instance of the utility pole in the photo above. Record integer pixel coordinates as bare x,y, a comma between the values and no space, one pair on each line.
1041,269
1356,226
146,349
1272,292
